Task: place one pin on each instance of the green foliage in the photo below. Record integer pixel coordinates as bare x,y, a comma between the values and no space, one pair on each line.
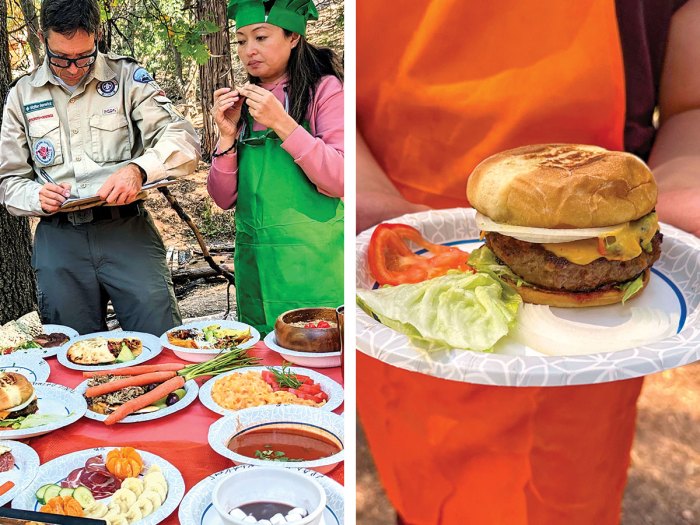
215,224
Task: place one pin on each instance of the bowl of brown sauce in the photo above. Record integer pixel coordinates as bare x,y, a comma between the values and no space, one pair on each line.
280,436
308,330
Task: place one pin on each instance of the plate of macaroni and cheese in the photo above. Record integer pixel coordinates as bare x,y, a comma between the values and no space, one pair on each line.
261,385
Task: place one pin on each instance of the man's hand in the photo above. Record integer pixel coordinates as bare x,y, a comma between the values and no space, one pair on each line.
51,196
267,110
122,186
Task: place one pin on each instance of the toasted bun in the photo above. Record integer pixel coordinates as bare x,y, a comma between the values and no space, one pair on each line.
15,389
562,186
564,299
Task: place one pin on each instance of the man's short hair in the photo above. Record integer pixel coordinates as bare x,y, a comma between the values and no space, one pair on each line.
68,16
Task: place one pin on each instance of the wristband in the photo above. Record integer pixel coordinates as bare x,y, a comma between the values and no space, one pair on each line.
231,148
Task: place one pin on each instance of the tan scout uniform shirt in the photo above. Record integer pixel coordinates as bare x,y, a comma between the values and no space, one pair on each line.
117,115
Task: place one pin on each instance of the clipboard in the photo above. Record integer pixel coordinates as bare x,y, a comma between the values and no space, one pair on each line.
75,204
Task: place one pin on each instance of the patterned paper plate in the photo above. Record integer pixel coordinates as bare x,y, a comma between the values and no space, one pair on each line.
674,287
33,367
24,470
151,349
52,351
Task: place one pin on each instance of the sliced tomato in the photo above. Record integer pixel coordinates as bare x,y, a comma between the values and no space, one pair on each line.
310,389
392,261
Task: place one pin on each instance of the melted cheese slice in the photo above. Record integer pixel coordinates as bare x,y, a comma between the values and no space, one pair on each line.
621,244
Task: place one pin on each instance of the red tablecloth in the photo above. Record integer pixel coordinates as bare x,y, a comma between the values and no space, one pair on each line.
180,438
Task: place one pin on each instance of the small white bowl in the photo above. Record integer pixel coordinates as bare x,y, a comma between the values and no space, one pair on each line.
269,484
327,423
310,359
199,355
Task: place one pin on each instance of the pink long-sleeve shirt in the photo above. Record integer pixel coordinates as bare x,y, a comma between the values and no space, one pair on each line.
319,154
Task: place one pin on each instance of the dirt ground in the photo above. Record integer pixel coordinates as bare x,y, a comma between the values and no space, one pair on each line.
664,479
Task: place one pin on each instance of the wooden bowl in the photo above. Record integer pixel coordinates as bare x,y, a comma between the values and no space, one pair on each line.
303,339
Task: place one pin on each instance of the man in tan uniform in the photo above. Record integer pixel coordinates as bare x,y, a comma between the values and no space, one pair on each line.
96,124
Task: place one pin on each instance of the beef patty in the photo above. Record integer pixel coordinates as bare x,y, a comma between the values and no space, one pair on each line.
542,268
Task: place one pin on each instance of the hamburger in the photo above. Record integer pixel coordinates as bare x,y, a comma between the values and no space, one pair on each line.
17,398
567,225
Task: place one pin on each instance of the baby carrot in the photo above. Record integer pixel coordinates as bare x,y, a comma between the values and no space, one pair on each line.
136,370
118,384
146,399
5,487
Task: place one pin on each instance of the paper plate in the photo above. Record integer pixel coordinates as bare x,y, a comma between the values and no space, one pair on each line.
312,359
49,352
57,469
31,366
151,348
330,387
24,471
52,399
198,355
674,287
191,391
222,430
197,509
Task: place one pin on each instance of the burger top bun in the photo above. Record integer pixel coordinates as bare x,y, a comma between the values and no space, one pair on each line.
15,389
562,186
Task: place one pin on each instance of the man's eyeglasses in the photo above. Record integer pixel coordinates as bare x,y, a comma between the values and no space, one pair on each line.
63,62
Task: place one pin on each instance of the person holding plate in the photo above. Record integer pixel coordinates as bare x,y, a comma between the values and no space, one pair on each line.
279,161
459,82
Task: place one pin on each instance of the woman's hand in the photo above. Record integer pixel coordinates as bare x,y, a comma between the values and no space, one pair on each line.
227,112
267,110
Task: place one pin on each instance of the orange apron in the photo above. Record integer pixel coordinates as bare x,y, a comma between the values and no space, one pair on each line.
454,83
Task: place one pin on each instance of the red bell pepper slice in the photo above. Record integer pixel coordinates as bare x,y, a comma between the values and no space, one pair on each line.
391,261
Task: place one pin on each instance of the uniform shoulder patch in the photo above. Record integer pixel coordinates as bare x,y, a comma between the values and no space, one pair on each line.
142,76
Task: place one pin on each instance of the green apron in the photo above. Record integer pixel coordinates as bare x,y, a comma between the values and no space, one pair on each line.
289,237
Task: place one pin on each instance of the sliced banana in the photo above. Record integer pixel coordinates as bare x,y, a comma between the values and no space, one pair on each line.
135,485
145,505
154,478
97,510
154,495
125,498
134,514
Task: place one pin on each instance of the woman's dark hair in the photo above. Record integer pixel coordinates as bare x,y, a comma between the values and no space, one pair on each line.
307,64
69,16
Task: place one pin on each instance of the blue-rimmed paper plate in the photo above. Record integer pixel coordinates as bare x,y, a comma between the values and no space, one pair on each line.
58,469
33,367
52,351
55,400
312,359
330,387
328,425
674,287
197,509
151,349
25,468
191,391
204,353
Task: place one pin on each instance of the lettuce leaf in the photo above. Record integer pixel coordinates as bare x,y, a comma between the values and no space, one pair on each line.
484,260
631,287
32,420
462,310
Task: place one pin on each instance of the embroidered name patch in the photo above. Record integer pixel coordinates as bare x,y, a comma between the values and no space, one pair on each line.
143,76
44,151
109,111
107,88
38,106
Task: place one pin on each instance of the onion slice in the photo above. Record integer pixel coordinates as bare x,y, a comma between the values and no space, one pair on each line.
542,235
538,328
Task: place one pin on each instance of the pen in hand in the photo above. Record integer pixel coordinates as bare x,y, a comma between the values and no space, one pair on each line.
49,179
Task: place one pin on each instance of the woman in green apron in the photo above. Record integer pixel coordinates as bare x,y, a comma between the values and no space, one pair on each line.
279,160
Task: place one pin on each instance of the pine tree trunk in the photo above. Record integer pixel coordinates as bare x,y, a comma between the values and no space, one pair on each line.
17,283
32,21
216,73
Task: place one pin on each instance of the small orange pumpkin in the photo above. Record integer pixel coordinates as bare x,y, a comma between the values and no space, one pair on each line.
64,505
124,462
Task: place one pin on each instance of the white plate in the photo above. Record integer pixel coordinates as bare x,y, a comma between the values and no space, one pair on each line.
330,387
57,469
24,471
312,359
674,287
33,367
191,391
151,348
198,355
197,509
49,352
222,430
52,399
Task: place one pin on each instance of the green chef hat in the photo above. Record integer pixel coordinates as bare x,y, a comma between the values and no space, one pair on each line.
287,14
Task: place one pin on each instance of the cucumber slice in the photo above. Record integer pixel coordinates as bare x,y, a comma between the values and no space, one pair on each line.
66,492
51,492
40,493
83,496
